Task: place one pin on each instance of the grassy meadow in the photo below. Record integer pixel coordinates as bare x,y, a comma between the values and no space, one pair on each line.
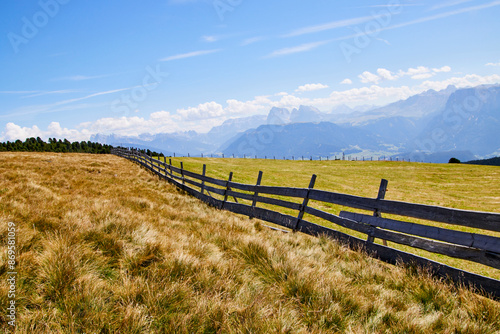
104,246
467,187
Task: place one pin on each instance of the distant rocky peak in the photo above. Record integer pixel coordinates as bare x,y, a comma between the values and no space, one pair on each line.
278,116
306,114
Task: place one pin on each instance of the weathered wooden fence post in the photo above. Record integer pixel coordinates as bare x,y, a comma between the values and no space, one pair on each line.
376,213
170,167
203,181
182,173
256,193
226,190
305,203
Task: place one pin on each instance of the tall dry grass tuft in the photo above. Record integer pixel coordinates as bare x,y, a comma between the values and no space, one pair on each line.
105,247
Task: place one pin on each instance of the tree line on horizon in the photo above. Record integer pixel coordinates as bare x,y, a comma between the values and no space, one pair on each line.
486,162
59,146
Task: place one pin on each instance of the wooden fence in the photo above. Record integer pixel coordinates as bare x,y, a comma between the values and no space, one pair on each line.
475,247
342,157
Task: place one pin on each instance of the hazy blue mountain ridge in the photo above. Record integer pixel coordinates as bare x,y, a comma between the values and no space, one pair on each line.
430,125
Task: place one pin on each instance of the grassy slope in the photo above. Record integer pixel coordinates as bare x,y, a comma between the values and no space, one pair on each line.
458,186
105,247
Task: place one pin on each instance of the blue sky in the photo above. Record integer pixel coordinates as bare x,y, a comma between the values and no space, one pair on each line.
75,68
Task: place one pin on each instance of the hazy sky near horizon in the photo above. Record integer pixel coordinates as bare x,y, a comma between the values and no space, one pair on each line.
72,68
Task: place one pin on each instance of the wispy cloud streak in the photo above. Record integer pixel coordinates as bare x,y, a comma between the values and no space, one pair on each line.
447,4
36,109
65,91
297,49
329,26
429,18
83,77
190,54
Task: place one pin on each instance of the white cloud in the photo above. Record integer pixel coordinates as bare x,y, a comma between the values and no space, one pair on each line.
158,122
311,87
493,64
414,73
442,69
422,76
346,81
291,101
190,54
386,74
368,94
417,73
423,72
258,105
469,80
14,132
202,111
368,77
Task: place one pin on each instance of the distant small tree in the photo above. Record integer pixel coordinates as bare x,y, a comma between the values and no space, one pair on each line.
454,161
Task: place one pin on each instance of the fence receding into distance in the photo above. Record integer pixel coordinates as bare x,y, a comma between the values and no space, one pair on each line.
230,196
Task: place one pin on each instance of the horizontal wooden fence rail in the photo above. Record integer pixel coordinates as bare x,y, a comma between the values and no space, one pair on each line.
475,247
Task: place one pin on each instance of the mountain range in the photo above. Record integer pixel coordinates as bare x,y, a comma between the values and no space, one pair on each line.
432,126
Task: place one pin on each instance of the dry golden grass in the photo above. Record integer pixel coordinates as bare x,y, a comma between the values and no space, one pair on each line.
106,247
